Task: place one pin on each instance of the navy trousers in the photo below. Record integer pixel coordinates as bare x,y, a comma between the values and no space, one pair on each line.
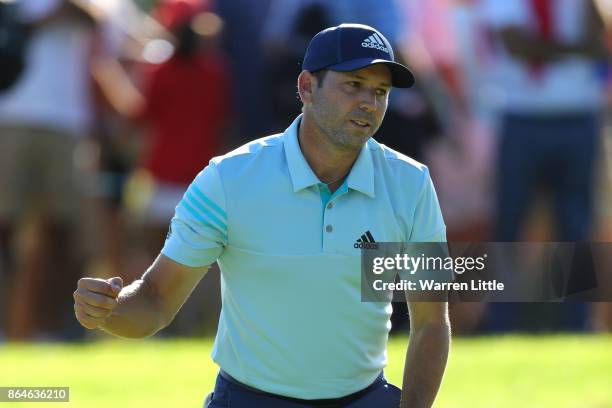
557,154
229,393
553,153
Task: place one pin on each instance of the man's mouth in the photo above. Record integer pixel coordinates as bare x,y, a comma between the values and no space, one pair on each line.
360,123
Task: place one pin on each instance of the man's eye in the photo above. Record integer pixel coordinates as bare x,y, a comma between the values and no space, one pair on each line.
353,84
381,92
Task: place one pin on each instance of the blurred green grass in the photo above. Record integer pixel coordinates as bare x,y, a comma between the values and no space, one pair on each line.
514,371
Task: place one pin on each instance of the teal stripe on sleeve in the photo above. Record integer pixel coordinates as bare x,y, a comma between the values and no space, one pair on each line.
199,215
208,201
204,211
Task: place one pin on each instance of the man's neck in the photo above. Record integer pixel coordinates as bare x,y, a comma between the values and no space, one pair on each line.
329,163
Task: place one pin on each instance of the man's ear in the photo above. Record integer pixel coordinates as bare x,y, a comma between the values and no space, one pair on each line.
306,83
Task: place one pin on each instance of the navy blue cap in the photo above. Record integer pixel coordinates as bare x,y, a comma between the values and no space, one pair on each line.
348,47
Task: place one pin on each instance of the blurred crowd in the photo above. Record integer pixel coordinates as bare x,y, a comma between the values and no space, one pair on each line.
109,108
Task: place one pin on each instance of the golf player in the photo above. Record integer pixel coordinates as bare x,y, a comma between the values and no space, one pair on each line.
282,216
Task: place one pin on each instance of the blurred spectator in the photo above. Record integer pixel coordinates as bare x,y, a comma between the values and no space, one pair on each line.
187,107
449,47
184,105
123,36
243,24
549,52
283,14
283,54
43,118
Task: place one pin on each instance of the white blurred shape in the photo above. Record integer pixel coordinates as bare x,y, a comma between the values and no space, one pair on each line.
157,51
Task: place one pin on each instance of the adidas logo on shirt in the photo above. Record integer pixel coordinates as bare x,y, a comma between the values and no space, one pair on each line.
366,241
374,41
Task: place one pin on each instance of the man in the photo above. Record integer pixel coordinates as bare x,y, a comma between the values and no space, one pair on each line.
281,216
548,56
44,117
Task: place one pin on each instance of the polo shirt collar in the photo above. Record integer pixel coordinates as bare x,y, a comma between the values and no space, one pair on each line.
301,174
361,177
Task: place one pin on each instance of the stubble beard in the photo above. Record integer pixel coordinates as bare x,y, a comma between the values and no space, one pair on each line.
343,139
348,142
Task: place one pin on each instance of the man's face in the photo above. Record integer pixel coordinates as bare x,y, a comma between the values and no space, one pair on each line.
349,107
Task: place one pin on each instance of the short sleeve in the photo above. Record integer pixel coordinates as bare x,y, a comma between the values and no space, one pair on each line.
198,230
428,224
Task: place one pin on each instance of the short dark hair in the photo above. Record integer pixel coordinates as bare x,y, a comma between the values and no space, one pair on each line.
320,75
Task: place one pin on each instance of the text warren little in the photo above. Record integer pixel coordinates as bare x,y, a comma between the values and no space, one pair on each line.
432,285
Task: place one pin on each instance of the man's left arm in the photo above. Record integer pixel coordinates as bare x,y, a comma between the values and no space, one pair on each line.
429,325
427,353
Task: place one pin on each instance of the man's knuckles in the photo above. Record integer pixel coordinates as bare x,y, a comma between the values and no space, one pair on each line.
87,321
92,311
98,286
95,299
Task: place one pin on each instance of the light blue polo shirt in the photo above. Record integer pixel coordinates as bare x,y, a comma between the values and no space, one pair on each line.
292,321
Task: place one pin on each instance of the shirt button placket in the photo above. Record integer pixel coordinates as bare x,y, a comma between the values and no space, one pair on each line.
328,223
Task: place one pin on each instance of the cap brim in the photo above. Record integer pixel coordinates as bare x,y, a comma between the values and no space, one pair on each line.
401,77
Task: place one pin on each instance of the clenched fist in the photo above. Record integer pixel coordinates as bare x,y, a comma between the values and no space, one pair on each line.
95,300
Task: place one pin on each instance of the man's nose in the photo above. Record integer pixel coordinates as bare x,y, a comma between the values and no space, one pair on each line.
368,102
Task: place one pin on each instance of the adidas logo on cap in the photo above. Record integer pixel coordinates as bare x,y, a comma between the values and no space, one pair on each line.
374,41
